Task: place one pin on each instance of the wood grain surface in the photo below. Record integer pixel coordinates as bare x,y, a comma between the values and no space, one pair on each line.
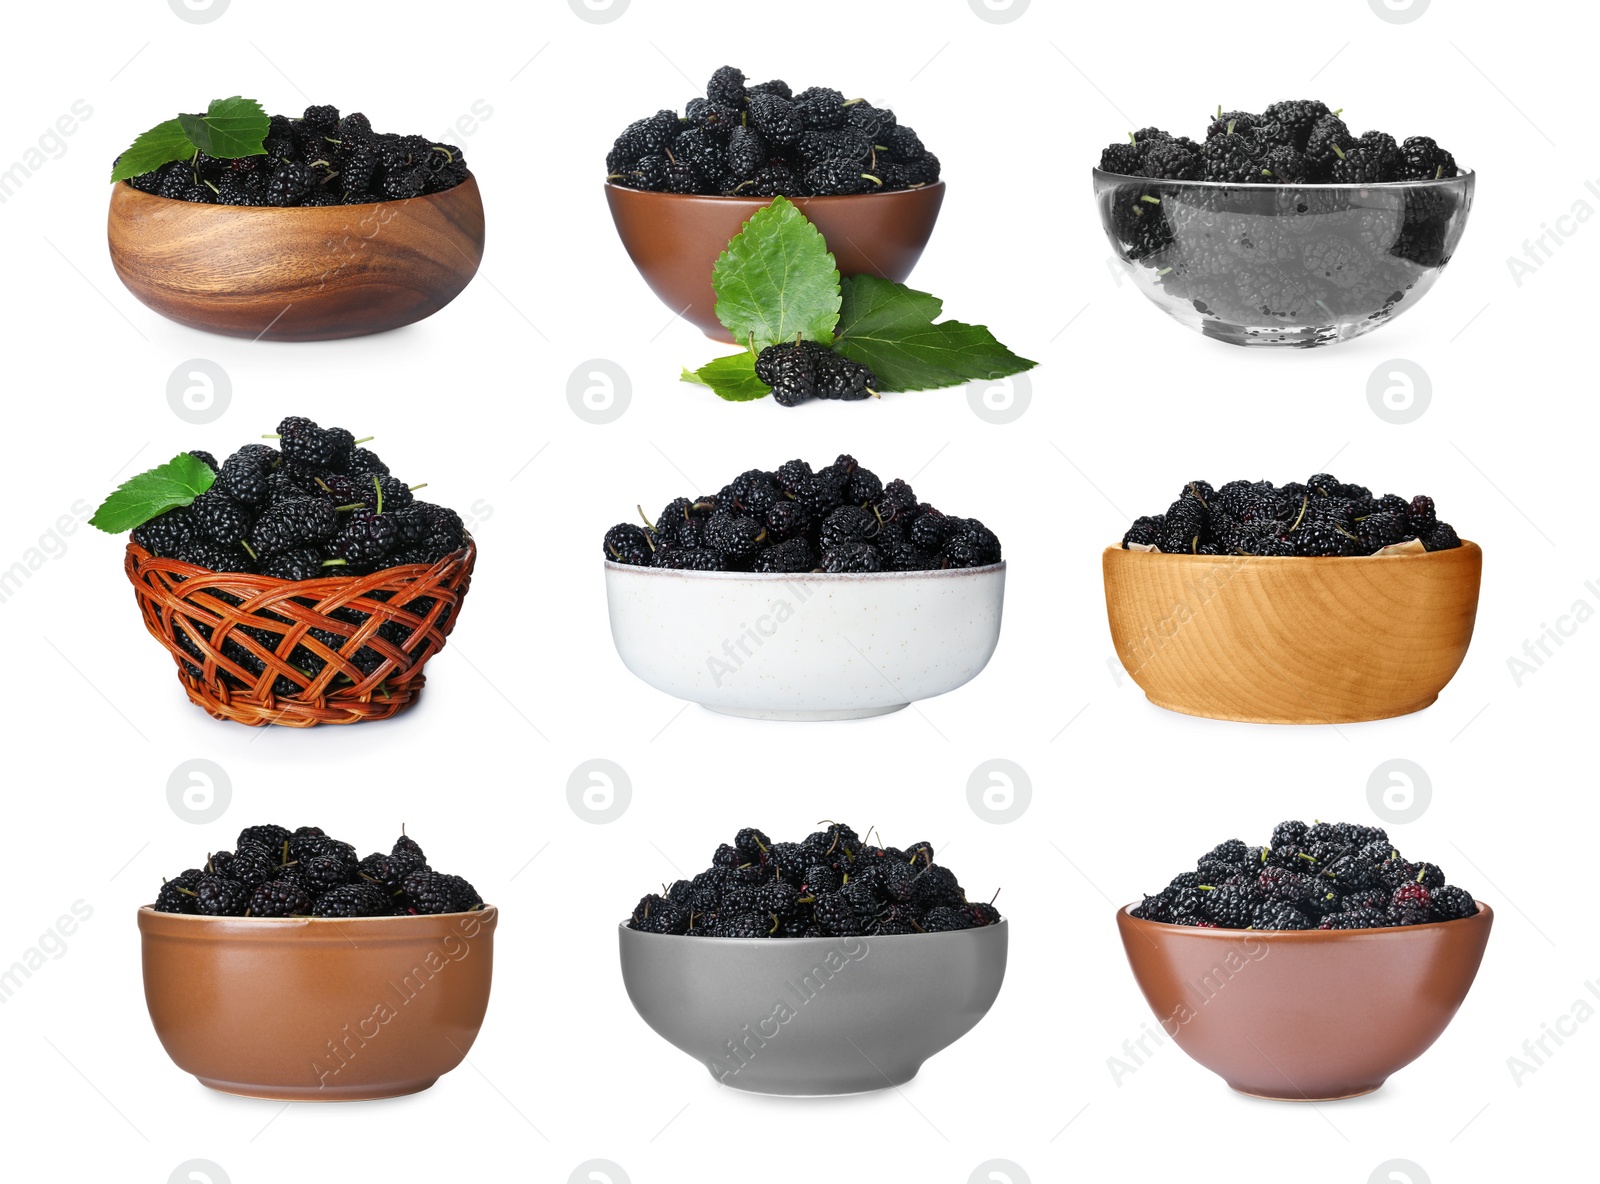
296,273
1292,641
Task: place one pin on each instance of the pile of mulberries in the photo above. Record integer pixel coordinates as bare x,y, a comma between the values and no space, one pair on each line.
1295,142
319,504
1294,254
1321,517
833,884
765,140
839,518
801,370
1329,875
319,159
276,872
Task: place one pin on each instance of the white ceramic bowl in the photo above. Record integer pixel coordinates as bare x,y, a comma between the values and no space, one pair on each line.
805,647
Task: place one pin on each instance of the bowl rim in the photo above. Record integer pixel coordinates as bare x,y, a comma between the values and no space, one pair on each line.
1205,934
766,201
831,577
1462,175
470,548
482,910
360,205
786,942
1466,545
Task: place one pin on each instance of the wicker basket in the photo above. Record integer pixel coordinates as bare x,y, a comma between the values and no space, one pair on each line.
241,631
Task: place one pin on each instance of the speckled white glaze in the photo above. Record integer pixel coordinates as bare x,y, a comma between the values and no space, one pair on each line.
806,647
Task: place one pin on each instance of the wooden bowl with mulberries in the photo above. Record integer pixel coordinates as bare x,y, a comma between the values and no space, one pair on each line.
292,229
1315,602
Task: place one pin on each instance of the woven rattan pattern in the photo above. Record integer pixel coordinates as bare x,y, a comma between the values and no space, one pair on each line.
176,595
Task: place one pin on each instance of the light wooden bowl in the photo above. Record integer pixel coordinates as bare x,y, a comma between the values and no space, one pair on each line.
296,273
1292,641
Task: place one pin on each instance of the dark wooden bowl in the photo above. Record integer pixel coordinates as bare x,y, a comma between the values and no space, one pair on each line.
296,273
674,239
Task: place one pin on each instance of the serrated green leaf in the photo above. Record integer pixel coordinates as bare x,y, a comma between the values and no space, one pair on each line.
777,280
733,378
161,144
229,129
141,498
891,328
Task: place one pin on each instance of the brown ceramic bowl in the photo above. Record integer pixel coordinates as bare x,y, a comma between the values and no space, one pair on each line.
296,273
313,1010
674,239
1292,641
1305,1016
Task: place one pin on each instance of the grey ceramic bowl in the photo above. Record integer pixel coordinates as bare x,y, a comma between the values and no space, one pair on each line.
819,1015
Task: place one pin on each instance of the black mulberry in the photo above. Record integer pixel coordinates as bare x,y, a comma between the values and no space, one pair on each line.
219,518
627,543
293,523
165,533
280,898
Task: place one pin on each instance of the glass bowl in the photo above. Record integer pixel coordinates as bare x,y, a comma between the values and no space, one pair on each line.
1283,265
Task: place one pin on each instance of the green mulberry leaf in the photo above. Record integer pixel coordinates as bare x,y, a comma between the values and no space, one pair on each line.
777,281
732,378
141,498
229,129
891,328
160,145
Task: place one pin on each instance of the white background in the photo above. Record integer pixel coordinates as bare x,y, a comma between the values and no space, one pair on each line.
1126,406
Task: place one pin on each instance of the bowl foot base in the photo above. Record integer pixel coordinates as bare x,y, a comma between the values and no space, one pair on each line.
818,1089
799,716
1359,1091
291,714
1332,717
316,1093
1307,337
1286,336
